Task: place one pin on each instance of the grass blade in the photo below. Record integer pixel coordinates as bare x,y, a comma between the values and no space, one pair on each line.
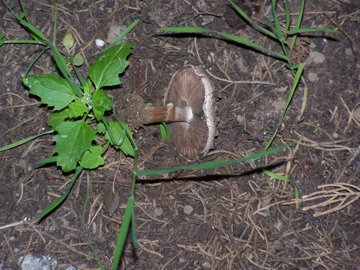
122,35
213,164
122,235
297,25
277,25
250,21
237,39
287,15
55,204
23,141
276,176
309,30
287,104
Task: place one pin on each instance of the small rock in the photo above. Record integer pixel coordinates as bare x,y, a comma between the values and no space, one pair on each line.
206,265
30,262
188,209
348,52
357,114
312,76
158,211
99,43
316,57
240,119
278,225
114,31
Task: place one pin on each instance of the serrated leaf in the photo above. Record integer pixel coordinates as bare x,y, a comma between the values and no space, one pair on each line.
55,118
76,109
52,90
72,141
120,140
92,158
101,104
100,128
105,71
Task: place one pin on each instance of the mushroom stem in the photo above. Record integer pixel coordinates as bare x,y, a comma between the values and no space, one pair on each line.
168,114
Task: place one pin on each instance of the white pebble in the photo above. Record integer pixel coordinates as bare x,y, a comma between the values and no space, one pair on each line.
99,43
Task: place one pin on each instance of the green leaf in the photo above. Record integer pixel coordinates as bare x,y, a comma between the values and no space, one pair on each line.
55,118
78,60
92,158
105,71
72,141
100,128
52,90
76,109
101,103
68,42
2,35
164,132
118,137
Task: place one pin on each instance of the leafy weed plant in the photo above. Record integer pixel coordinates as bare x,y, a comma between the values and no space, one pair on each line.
286,35
82,120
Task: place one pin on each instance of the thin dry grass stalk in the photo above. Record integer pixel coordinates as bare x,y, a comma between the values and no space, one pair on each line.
334,197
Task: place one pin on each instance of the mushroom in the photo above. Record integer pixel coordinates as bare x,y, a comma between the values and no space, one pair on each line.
189,112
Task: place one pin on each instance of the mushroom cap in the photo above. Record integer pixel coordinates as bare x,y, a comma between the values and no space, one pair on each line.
190,87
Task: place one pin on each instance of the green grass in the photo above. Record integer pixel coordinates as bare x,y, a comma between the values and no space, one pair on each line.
81,118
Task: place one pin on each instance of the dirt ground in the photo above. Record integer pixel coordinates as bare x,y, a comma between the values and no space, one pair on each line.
228,218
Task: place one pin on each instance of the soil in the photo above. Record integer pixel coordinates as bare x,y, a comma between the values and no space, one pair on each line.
227,218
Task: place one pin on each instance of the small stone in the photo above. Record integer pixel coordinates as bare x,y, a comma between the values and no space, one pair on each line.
206,265
158,211
188,209
335,135
99,43
240,119
348,52
312,76
278,225
114,31
357,114
316,57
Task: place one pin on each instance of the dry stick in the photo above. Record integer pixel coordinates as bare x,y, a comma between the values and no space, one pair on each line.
326,146
150,251
348,163
351,114
172,259
64,244
340,195
10,248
